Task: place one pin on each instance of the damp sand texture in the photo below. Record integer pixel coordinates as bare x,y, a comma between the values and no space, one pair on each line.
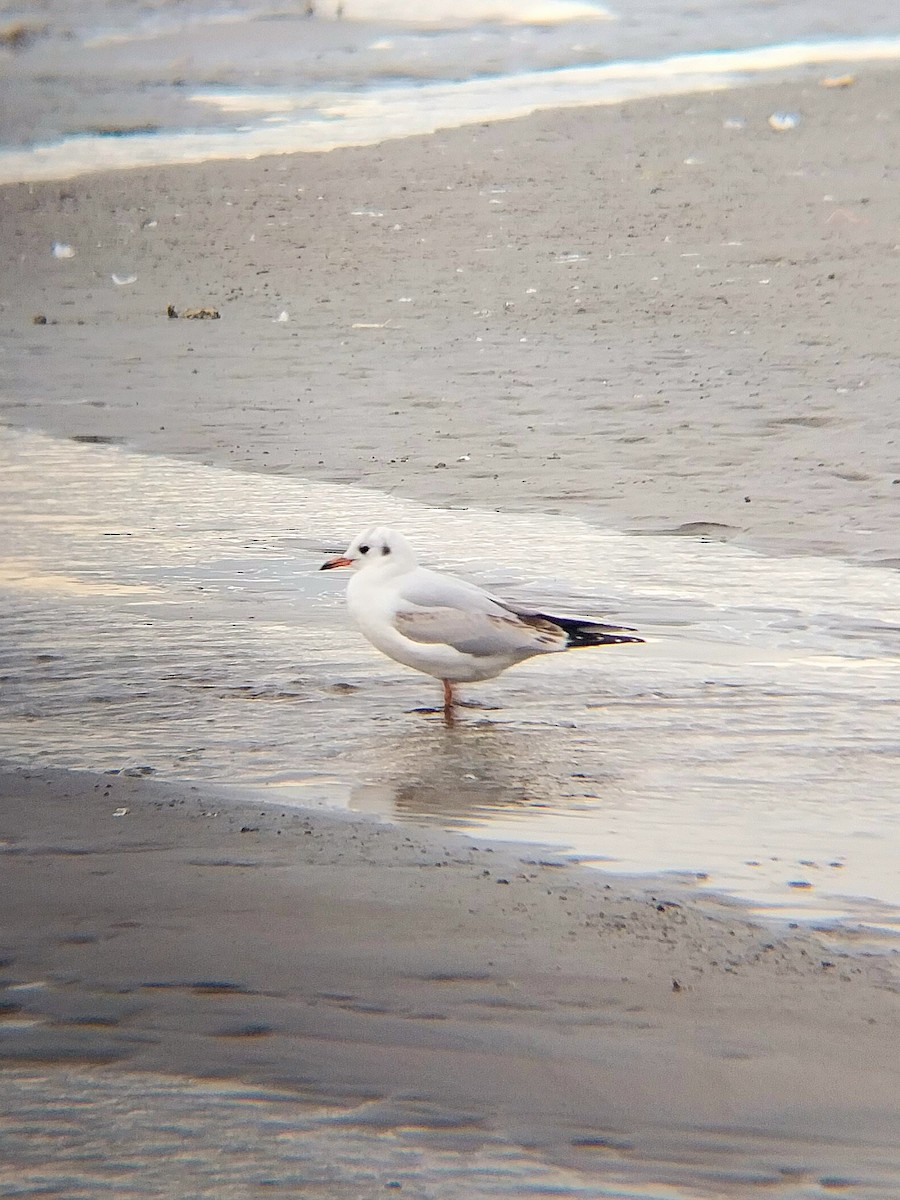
712,352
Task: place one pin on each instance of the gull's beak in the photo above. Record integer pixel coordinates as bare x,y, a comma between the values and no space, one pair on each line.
341,561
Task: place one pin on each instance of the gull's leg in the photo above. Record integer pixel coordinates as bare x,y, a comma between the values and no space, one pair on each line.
448,696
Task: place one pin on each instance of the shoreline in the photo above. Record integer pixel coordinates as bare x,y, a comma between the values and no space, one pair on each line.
186,625
357,963
343,119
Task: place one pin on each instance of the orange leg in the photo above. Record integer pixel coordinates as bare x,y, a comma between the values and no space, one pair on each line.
448,696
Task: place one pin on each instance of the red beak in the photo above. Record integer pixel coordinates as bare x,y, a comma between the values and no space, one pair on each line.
336,562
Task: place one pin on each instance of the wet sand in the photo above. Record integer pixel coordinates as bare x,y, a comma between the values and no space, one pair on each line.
483,996
709,349
635,314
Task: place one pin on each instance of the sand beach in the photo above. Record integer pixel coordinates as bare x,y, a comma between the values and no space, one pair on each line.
663,318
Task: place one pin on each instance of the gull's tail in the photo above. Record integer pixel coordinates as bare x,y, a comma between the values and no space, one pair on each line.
592,633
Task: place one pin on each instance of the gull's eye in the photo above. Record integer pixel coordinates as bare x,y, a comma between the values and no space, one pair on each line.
364,549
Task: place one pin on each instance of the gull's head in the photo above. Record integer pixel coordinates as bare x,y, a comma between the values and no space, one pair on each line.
375,547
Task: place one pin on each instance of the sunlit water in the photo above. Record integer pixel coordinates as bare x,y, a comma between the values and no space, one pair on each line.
171,617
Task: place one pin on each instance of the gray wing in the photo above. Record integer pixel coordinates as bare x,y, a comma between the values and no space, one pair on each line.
482,634
441,610
428,589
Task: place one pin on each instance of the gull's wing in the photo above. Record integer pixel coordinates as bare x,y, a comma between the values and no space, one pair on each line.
572,625
481,634
429,589
441,610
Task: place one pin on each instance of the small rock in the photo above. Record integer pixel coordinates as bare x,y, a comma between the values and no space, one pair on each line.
19,34
193,314
201,314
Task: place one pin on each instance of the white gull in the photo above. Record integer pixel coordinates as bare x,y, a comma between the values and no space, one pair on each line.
444,626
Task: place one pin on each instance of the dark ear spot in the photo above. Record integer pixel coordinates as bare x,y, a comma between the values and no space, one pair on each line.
385,549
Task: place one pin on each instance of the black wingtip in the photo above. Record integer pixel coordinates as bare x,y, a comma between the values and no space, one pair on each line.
592,633
588,637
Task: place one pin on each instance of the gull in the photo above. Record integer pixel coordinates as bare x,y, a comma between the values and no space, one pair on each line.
444,626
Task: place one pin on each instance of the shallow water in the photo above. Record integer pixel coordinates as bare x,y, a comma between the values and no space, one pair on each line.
153,1136
171,618
107,84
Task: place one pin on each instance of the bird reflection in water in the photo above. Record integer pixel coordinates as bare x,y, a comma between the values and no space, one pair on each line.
456,777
